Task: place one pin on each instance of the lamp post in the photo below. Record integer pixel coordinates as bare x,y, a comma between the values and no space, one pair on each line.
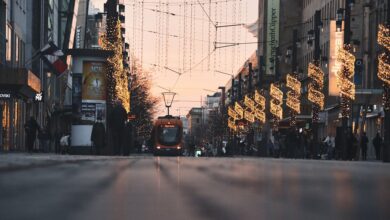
168,99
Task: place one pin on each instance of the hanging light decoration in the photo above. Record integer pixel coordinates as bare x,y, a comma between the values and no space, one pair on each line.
316,85
345,79
276,103
117,76
384,36
260,108
239,109
232,124
293,101
249,103
384,64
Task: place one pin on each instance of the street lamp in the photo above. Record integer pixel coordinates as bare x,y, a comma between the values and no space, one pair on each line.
168,99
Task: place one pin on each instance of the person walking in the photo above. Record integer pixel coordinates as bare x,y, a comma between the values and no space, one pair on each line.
31,127
98,136
363,145
118,119
44,140
377,142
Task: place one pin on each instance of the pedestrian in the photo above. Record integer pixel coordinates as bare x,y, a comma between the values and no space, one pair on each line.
44,139
276,146
128,136
377,142
363,145
31,127
270,146
98,136
117,124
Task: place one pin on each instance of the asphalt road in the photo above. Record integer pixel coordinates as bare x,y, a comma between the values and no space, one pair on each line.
147,187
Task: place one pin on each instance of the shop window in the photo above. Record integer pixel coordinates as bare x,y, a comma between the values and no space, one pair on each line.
8,50
16,50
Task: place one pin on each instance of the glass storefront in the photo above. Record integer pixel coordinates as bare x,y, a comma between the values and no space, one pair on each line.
12,117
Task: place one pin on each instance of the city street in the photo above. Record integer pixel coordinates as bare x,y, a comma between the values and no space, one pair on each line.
145,187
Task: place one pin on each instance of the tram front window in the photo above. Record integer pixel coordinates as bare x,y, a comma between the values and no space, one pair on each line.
169,135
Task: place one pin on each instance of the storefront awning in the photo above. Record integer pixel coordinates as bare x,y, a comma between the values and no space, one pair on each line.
19,82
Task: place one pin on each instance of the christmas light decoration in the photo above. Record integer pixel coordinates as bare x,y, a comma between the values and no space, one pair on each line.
316,85
232,124
249,116
260,101
345,79
249,103
384,68
316,97
294,94
384,36
233,114
276,103
117,76
239,109
260,115
346,72
384,64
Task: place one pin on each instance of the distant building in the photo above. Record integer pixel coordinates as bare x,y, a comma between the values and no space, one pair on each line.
195,124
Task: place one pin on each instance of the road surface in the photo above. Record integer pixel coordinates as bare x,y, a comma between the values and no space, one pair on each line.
146,187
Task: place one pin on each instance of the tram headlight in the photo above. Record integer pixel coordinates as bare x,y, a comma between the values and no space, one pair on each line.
158,147
178,147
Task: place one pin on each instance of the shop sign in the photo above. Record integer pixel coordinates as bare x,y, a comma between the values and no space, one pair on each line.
38,97
5,95
33,81
336,41
272,37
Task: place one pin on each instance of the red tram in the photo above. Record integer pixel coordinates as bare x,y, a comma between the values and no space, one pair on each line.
167,135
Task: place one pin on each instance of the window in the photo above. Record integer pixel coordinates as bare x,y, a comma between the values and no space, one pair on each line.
8,49
16,50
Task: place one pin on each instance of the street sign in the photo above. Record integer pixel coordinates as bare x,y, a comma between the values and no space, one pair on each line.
131,117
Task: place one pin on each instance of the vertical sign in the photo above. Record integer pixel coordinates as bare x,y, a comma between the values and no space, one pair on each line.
336,42
272,39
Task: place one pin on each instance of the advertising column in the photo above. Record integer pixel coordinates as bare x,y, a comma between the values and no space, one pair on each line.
93,95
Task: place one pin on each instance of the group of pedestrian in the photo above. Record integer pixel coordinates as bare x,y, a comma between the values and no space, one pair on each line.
120,133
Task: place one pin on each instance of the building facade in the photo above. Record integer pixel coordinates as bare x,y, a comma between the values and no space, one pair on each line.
26,27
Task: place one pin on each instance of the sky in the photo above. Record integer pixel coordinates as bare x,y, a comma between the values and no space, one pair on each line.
175,40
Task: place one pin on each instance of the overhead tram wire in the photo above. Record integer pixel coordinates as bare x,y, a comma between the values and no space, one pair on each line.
181,2
142,34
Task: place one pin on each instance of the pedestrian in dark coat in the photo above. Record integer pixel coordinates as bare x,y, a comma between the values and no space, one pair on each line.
377,142
98,136
128,139
117,125
363,144
31,127
44,140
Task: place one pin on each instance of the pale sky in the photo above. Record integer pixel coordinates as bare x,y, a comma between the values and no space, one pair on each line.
164,37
